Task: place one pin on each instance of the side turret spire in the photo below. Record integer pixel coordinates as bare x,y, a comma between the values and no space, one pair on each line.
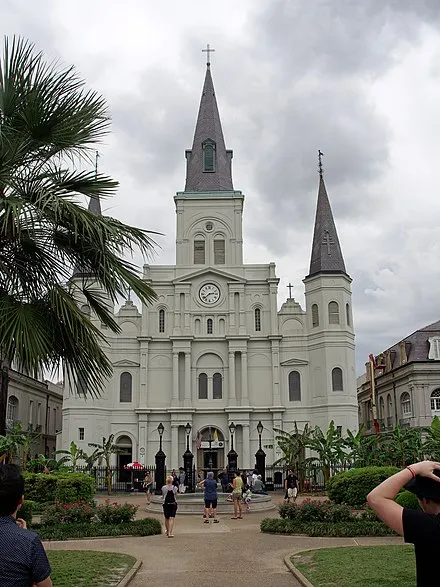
326,251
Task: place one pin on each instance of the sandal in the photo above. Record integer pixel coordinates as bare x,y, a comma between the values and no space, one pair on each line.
215,521
234,518
206,521
240,518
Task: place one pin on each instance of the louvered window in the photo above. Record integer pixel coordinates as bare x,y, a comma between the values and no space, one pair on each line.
161,320
294,386
257,315
199,252
219,252
209,157
315,315
337,379
203,386
333,313
217,386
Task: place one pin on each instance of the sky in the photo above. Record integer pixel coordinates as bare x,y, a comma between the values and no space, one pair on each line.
358,80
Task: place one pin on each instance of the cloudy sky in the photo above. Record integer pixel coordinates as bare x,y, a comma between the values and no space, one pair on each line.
358,80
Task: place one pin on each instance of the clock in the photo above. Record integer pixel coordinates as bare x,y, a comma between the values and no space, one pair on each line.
209,293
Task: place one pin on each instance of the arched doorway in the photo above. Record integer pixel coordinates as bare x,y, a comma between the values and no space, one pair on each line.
210,450
125,456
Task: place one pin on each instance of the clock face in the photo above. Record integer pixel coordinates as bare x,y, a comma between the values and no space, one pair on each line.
209,293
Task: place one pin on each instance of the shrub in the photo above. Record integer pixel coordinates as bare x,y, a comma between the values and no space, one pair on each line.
145,527
65,487
408,500
341,529
368,515
68,513
315,511
27,510
352,487
288,511
116,513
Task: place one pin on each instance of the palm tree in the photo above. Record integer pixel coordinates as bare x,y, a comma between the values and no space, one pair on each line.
293,445
72,456
49,127
105,451
432,442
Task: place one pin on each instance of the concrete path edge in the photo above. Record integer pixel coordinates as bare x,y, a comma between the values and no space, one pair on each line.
295,572
131,574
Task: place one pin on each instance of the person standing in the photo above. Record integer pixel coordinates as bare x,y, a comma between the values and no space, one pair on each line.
419,527
291,487
224,480
210,496
148,486
182,480
237,496
23,560
169,505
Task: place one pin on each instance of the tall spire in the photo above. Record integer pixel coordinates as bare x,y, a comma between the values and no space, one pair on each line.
326,250
208,162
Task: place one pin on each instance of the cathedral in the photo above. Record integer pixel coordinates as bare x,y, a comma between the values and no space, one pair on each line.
214,351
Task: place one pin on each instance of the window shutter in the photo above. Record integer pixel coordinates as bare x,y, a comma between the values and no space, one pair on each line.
219,252
199,252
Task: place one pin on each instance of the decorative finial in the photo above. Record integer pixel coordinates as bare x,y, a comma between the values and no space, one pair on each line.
208,52
320,156
290,287
96,163
129,294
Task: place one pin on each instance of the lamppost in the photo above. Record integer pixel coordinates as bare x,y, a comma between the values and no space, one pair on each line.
188,459
210,463
160,457
232,455
260,455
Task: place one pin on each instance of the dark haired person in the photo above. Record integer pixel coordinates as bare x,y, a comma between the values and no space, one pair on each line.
419,527
23,561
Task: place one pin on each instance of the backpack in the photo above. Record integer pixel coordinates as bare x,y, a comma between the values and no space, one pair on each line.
170,498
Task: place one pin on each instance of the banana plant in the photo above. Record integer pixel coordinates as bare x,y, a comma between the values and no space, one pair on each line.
72,456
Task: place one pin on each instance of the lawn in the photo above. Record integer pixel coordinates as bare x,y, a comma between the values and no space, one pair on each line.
79,568
375,566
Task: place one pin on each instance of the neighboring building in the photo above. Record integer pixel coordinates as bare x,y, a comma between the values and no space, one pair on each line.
407,382
37,406
214,349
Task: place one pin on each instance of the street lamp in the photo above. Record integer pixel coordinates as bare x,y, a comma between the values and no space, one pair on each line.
260,455
160,429
260,429
188,429
232,455
160,463
232,430
188,459
210,452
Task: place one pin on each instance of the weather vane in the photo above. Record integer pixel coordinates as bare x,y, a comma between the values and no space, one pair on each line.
208,52
320,156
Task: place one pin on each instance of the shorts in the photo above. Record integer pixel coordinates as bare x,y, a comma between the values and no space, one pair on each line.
169,510
211,503
148,488
292,492
236,495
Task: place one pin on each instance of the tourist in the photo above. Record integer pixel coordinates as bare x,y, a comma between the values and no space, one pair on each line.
23,561
291,487
247,497
210,496
148,486
237,496
259,487
224,480
169,505
182,480
175,478
420,527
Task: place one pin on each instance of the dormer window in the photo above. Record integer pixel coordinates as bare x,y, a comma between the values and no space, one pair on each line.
208,156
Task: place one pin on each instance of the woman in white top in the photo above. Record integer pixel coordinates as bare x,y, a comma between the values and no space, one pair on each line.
169,505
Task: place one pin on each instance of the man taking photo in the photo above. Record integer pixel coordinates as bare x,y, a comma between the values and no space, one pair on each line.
23,561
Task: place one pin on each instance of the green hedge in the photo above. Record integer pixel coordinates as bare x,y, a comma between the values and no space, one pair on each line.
352,487
341,529
27,510
145,527
408,500
64,487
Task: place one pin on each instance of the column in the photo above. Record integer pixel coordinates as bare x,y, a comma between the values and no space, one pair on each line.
276,392
143,391
273,309
175,378
242,327
175,446
232,399
244,379
246,463
188,378
177,323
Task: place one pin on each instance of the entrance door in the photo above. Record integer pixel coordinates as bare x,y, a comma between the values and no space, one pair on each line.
210,460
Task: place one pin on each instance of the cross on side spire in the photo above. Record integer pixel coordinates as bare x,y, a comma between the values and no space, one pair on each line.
208,52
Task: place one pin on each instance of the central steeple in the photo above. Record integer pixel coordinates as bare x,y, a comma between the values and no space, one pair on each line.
208,162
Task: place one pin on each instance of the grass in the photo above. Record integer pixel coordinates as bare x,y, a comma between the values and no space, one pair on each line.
79,568
375,566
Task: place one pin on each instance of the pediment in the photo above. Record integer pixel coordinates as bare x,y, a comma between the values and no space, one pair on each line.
206,271
125,363
291,362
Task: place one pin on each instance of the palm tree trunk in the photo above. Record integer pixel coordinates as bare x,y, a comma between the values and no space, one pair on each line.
4,382
109,479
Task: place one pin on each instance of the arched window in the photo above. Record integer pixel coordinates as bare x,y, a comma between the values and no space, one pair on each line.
217,386
199,252
333,313
337,381
257,316
12,410
389,410
203,386
161,320
405,402
381,408
315,315
219,251
347,314
294,386
208,156
125,387
209,326
435,402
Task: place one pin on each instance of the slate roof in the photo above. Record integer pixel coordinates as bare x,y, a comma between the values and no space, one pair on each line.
95,208
326,251
416,344
208,126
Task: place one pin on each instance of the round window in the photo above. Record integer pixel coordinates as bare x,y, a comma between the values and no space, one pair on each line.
209,226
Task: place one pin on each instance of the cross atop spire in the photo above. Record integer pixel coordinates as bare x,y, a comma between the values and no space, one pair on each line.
208,52
320,156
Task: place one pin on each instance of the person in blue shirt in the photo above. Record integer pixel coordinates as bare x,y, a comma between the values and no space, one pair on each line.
23,560
210,495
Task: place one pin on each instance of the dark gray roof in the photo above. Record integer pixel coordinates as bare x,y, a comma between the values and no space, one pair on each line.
326,251
208,126
416,345
95,208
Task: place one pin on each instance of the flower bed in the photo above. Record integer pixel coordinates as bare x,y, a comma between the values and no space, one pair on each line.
145,527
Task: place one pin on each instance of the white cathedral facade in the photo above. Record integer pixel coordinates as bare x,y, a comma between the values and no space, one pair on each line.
214,349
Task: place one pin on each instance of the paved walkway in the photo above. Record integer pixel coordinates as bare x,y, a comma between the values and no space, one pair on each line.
215,554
